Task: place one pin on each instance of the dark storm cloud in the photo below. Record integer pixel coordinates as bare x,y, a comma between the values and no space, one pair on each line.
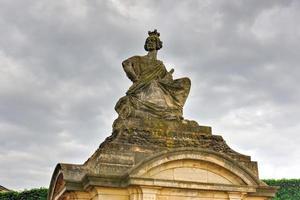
61,75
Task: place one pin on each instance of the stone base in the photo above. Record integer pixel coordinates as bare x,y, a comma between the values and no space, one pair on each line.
160,126
161,160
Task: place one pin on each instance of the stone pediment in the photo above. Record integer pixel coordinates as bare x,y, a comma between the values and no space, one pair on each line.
193,168
182,168
201,163
134,157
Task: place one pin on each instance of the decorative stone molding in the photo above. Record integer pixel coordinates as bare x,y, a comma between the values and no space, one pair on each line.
150,193
223,162
236,196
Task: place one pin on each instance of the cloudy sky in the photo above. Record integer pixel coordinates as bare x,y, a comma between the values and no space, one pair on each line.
61,75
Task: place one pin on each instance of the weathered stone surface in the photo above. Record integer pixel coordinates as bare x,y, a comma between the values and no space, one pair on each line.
153,93
131,147
156,154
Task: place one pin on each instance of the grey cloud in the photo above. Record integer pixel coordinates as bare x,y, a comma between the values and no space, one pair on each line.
61,76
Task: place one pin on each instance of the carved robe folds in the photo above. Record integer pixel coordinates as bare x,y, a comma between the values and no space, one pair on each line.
154,92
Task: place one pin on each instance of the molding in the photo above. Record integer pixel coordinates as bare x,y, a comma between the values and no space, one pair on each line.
229,162
190,185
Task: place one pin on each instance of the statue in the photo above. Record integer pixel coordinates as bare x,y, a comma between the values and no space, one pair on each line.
153,153
154,93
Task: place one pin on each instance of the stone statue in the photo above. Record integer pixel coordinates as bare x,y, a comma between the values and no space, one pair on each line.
153,153
154,93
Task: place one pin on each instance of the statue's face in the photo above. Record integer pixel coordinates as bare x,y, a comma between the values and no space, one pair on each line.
151,43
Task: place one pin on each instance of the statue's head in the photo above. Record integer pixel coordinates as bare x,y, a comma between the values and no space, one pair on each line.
153,42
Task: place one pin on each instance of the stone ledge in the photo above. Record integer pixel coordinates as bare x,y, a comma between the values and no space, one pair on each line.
124,182
161,126
190,185
265,191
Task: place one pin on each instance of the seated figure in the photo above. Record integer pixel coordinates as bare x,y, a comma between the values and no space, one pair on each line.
153,93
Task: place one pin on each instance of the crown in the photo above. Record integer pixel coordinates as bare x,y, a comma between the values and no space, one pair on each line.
154,33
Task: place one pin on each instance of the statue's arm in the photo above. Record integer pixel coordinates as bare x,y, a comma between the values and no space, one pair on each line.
129,69
168,74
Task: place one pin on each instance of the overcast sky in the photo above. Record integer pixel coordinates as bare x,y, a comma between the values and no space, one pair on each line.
61,75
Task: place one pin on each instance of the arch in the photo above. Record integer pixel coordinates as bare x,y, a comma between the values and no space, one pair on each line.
57,182
194,170
224,169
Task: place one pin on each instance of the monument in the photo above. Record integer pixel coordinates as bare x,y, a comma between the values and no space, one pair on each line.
156,154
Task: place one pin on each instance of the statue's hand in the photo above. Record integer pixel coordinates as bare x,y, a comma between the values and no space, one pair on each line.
168,77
